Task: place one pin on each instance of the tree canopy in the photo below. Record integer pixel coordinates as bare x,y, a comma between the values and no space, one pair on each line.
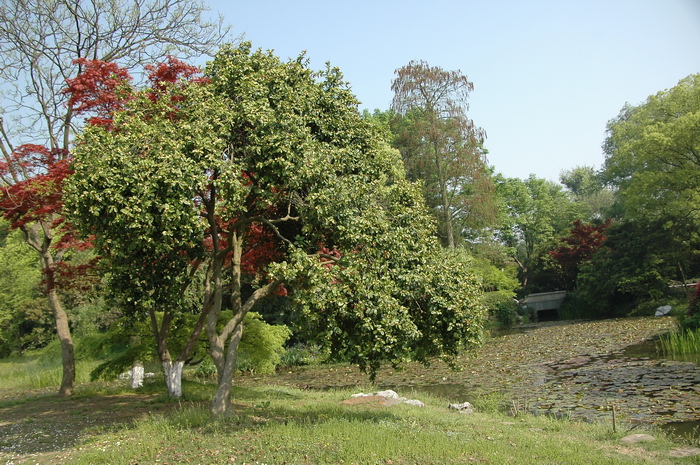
653,153
265,175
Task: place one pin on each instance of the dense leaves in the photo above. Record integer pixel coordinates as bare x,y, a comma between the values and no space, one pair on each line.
578,247
652,153
534,213
635,263
264,174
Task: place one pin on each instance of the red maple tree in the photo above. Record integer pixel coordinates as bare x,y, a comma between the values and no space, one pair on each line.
578,247
31,198
100,89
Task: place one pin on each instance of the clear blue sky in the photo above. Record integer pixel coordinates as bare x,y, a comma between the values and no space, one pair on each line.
548,74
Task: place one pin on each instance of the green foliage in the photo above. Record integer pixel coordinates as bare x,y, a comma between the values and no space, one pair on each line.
503,306
366,311
39,369
25,321
652,154
262,346
635,264
205,371
684,344
117,349
499,285
689,321
260,351
588,188
128,340
533,214
272,145
442,149
690,318
302,354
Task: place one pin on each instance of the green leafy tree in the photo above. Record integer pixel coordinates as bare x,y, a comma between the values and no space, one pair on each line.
653,153
635,263
534,212
652,160
442,148
577,248
23,311
265,177
587,187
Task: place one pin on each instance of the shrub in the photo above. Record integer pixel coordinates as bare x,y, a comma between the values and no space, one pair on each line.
262,344
502,306
690,320
205,371
301,354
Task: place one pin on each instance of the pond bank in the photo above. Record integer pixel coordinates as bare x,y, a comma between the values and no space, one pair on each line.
577,369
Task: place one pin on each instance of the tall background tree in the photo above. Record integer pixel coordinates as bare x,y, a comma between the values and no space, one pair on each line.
41,47
651,181
653,154
442,147
653,163
588,188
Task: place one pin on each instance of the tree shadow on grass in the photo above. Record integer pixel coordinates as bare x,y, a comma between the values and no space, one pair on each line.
51,423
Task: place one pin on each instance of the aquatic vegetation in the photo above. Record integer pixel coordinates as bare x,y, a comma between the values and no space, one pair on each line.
684,343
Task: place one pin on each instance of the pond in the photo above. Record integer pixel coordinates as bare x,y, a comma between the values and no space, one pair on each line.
581,369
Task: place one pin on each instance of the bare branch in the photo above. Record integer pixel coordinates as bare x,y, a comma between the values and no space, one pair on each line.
40,39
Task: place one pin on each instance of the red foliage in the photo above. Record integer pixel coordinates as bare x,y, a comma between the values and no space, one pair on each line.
66,276
328,257
172,71
36,192
169,72
580,246
694,303
262,249
95,90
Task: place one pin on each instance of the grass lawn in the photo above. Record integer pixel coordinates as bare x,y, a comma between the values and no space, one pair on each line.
272,424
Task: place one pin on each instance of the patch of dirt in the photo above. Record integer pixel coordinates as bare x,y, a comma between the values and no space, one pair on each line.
39,428
636,452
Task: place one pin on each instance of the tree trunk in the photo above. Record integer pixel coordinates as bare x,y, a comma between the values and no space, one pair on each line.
39,237
67,352
173,377
444,196
222,400
137,375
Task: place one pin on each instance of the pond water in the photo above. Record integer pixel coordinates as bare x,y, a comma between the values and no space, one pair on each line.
641,385
582,370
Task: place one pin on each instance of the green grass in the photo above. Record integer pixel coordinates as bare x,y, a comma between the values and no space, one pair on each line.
36,371
283,425
683,344
275,425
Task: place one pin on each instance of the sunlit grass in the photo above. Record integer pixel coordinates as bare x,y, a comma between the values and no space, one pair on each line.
282,425
36,370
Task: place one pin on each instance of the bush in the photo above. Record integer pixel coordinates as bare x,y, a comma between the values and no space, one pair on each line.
205,371
502,306
301,355
262,345
690,320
